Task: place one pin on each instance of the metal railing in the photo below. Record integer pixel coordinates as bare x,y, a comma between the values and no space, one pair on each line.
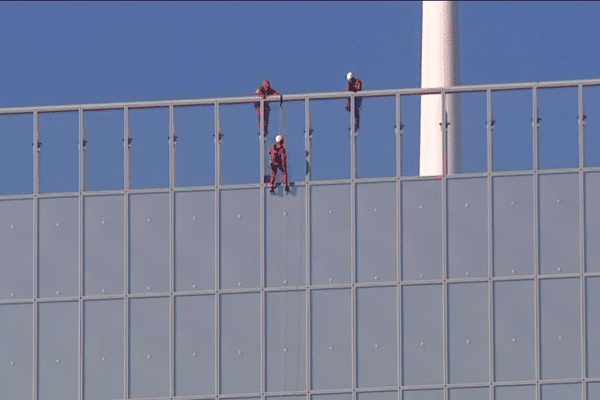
171,105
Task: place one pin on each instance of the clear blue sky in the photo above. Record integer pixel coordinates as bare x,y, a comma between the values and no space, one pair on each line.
69,52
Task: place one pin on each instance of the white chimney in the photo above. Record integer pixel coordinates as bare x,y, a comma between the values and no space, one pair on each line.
440,68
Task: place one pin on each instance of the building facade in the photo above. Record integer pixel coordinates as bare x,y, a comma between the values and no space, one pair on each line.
371,285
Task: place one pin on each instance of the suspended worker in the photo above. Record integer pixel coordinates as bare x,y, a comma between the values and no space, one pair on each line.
354,85
263,92
278,160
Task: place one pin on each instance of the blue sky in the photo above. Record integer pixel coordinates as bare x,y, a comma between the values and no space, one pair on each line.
88,52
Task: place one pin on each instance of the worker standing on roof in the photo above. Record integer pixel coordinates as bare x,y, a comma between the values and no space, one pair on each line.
278,160
354,85
263,92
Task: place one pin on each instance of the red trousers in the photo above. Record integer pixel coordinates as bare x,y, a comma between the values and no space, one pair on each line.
284,176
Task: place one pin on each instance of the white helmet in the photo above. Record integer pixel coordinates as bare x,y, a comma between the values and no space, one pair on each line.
278,138
349,75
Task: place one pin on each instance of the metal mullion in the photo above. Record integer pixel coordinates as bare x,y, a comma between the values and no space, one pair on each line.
490,132
217,248
307,240
398,127
127,187
262,259
82,170
36,191
490,216
444,244
536,131
536,246
353,266
582,256
172,184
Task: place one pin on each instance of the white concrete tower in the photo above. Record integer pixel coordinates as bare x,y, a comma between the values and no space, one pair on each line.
440,68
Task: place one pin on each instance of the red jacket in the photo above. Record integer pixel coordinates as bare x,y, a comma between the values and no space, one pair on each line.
354,85
278,156
262,92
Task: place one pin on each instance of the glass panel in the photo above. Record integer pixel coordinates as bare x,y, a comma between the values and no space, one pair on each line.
514,329
194,345
431,143
149,347
514,392
149,243
559,224
341,396
377,337
472,108
411,131
376,139
58,247
591,101
104,245
16,351
330,125
16,134
104,149
377,396
560,328
558,132
286,238
467,228
288,121
286,341
593,390
376,232
103,349
592,319
592,222
240,238
195,131
513,135
468,350
16,244
422,229
149,129
194,240
58,355
422,327
240,343
59,134
513,225
330,220
331,347
561,392
468,394
422,395
240,145
285,397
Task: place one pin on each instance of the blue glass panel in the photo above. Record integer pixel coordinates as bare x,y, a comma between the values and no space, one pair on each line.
16,244
240,343
103,350
149,347
330,329
16,351
560,328
58,355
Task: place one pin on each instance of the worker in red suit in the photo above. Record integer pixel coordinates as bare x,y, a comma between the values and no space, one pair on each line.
354,85
278,160
263,92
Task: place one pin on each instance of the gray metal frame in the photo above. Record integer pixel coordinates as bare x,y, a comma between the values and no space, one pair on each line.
489,174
